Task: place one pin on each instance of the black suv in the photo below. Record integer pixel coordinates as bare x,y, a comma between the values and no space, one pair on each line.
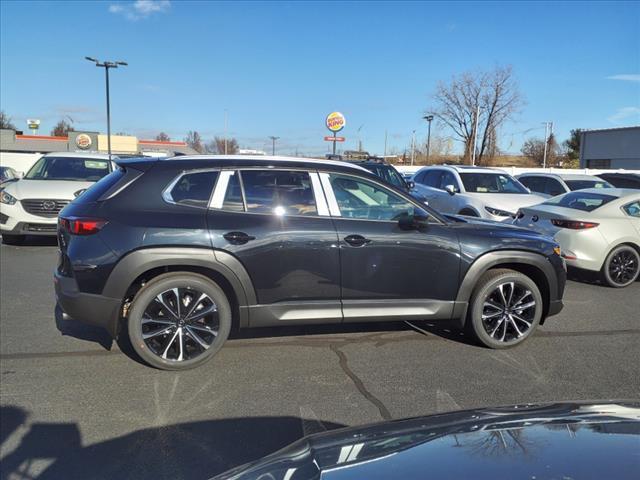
177,252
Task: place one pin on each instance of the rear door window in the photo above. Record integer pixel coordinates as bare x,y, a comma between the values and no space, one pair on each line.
432,178
448,178
553,187
279,192
535,184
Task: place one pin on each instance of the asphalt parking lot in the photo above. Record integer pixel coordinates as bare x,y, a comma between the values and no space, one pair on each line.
73,405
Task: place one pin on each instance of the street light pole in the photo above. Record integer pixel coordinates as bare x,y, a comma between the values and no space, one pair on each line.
413,146
428,118
546,140
107,65
273,147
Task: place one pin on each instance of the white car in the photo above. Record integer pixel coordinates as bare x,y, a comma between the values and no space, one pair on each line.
597,229
473,191
551,184
30,206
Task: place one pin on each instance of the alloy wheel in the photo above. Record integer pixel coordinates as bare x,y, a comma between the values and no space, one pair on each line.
180,324
508,312
623,267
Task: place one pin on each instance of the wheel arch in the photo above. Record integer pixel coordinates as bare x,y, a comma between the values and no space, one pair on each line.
534,265
622,242
140,266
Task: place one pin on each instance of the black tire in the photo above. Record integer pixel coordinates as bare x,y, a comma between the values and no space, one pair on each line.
496,328
9,239
179,335
621,267
468,212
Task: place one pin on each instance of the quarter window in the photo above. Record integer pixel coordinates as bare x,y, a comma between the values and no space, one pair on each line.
367,201
633,209
194,188
279,192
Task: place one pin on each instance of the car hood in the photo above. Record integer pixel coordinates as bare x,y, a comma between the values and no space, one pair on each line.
54,189
510,202
564,440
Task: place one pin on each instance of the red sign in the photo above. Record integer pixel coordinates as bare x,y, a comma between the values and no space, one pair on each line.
334,139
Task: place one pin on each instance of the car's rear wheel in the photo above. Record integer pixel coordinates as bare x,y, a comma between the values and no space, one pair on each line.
179,320
505,308
622,266
13,239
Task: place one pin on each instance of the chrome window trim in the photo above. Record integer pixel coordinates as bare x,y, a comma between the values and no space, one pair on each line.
166,193
334,209
321,202
217,199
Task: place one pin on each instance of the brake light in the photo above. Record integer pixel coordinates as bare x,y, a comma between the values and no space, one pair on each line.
82,226
573,224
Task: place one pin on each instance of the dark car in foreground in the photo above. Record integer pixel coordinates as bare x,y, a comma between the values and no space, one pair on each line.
554,441
176,252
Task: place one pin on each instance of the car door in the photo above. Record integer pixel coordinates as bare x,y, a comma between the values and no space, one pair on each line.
388,270
276,223
427,183
444,201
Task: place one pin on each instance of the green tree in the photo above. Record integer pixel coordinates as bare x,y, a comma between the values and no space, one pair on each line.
573,144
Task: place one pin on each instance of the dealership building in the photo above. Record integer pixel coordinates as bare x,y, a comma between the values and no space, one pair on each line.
615,148
21,151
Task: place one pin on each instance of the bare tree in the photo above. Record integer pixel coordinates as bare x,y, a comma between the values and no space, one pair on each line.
61,129
194,140
216,146
5,121
163,137
494,94
533,148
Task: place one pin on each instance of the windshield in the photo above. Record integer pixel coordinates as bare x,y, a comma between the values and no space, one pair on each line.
69,168
491,183
582,184
584,201
387,173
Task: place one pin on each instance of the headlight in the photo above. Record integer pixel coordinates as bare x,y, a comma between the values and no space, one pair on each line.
7,198
498,213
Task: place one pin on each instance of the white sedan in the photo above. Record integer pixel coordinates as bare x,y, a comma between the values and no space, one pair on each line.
597,230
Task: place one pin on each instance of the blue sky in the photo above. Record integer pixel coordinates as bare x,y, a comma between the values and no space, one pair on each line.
279,68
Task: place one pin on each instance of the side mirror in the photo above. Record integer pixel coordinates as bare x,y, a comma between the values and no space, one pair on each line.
450,189
411,184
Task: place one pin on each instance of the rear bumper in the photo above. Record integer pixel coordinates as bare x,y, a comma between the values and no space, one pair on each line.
88,308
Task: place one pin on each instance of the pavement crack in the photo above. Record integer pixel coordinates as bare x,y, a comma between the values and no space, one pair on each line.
344,365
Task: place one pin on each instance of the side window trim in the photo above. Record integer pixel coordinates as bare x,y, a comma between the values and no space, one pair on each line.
334,210
217,199
321,202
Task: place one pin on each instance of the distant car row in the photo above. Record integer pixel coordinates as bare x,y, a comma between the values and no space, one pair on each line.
596,224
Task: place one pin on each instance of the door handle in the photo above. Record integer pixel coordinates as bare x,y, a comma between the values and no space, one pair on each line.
356,240
238,238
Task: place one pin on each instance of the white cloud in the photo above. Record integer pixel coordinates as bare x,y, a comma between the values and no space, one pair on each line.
629,77
625,115
140,9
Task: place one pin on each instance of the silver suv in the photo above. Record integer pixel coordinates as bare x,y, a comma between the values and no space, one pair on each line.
473,191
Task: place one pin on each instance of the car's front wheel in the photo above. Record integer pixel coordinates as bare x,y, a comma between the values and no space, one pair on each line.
179,320
622,266
505,308
13,239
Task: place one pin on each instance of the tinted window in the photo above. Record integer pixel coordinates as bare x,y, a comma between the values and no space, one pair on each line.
99,188
535,184
448,179
586,202
69,168
233,196
432,178
279,192
623,182
582,184
491,183
387,173
194,188
367,201
633,209
554,187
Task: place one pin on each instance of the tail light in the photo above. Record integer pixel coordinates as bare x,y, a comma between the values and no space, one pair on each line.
573,224
82,226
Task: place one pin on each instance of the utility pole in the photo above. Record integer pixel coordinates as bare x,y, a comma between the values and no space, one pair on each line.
225,131
428,118
385,143
546,141
413,146
273,147
475,136
107,66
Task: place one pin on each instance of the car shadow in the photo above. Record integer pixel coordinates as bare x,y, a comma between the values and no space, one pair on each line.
186,450
81,331
584,276
38,241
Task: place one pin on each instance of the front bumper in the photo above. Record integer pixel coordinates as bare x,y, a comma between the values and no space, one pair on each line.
16,221
88,308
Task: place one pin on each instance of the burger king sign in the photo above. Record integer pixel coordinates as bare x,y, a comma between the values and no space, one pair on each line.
335,121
